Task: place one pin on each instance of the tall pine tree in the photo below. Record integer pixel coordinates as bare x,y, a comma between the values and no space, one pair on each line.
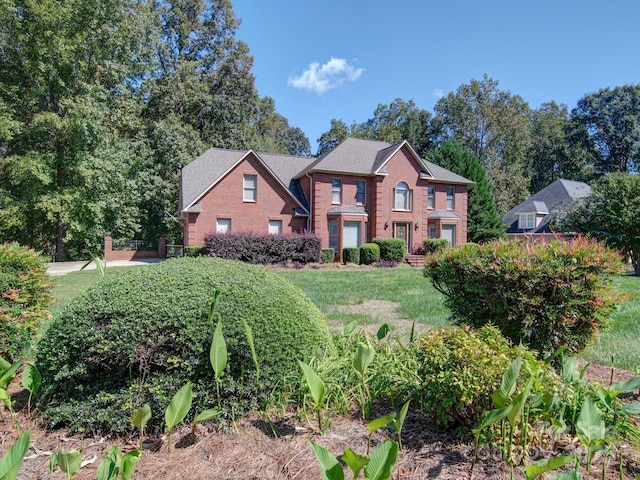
484,221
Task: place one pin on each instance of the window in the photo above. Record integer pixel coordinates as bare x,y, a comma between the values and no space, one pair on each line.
333,235
361,186
431,196
336,190
250,184
433,231
451,204
223,225
527,221
275,227
402,197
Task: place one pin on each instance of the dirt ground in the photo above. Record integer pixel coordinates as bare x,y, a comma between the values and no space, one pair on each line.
278,448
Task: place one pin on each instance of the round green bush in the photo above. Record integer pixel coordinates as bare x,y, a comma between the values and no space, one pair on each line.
138,337
369,253
25,293
393,249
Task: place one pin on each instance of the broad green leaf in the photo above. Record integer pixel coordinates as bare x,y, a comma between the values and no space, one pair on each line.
331,468
108,468
568,475
363,358
141,416
4,364
399,421
380,422
508,384
382,461
8,374
252,347
314,382
31,379
179,406
5,398
631,385
207,415
70,461
354,461
53,461
517,406
12,460
547,464
383,331
128,463
590,426
350,328
218,353
212,305
570,372
492,417
630,409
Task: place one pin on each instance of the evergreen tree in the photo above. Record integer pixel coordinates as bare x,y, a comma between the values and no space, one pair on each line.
484,221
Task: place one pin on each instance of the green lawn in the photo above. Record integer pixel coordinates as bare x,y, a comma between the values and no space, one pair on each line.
401,296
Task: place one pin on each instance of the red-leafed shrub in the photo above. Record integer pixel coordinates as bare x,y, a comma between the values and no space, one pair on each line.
264,249
543,295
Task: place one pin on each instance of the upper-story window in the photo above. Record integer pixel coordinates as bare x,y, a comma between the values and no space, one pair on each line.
250,188
431,196
336,190
361,187
526,221
451,202
402,197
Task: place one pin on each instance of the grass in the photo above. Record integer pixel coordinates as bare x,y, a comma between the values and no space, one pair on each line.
339,294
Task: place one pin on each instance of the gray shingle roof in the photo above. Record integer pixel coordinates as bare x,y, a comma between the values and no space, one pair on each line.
554,198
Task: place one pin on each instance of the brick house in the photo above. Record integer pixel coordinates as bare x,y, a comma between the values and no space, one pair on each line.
360,190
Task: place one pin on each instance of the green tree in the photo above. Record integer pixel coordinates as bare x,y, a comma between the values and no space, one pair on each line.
338,133
484,221
611,214
494,124
612,118
554,152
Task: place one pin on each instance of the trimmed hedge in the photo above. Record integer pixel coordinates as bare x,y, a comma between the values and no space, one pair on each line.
393,249
434,245
25,293
193,251
543,295
138,337
369,253
351,255
264,249
328,255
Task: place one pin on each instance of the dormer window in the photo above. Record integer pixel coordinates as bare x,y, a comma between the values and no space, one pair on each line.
526,221
402,197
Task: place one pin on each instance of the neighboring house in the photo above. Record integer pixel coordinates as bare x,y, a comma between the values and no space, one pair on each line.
536,216
360,190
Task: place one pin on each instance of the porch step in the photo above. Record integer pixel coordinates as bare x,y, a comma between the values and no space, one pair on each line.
415,260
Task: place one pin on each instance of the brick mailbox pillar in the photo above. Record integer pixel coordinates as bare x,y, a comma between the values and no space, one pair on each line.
162,247
108,248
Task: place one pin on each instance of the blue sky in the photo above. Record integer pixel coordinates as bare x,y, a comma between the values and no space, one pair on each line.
328,59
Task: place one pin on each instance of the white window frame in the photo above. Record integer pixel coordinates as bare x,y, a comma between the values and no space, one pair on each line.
275,227
431,196
451,198
402,197
361,191
526,221
223,225
336,191
249,191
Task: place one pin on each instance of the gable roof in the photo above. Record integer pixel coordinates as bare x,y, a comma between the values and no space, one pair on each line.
199,176
555,198
356,156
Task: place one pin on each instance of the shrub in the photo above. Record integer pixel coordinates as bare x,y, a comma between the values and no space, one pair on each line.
543,295
264,249
351,255
369,253
393,249
459,370
435,245
25,293
138,337
193,251
328,255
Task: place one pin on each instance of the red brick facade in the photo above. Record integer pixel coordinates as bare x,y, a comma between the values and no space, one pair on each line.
334,207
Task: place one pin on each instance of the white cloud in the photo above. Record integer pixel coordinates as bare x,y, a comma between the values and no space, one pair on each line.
320,78
438,93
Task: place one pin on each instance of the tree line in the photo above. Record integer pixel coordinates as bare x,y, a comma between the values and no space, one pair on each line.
102,102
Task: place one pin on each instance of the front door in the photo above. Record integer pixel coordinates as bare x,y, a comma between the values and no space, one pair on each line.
403,231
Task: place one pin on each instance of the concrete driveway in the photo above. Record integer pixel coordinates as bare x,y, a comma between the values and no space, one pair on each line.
62,268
